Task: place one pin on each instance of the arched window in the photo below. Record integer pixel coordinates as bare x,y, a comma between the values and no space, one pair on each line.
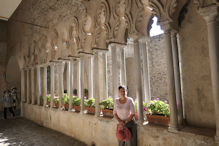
155,28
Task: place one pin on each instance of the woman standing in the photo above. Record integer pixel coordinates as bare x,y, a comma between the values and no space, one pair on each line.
124,111
7,103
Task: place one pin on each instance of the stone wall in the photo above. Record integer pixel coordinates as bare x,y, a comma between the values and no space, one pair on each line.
196,77
157,67
101,131
3,57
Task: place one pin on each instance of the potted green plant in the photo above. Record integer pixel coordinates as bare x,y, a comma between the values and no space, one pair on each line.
48,97
56,101
106,106
76,102
65,99
90,105
158,112
136,111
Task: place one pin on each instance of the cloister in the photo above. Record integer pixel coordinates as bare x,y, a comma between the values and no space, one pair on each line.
87,48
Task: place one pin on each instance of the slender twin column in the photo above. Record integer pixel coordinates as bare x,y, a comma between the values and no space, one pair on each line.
44,86
82,58
28,86
139,92
170,80
38,88
90,76
146,76
175,52
71,84
96,83
60,82
52,84
32,85
210,15
22,90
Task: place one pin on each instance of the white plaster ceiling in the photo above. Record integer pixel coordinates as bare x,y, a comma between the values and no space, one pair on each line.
7,8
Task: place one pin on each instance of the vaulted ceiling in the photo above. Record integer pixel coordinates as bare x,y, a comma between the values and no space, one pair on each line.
7,8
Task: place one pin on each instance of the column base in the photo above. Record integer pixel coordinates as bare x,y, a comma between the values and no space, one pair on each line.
173,129
216,139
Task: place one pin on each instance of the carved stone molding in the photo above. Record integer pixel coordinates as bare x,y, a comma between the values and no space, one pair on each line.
164,10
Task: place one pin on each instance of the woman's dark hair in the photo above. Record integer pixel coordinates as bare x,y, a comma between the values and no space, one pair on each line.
124,87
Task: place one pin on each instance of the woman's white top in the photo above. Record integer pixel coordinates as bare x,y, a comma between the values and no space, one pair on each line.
124,110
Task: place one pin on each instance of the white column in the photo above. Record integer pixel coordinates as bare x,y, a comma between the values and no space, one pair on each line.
96,84
68,77
28,86
52,84
139,95
38,85
60,82
70,91
210,15
90,76
79,78
105,74
82,83
22,90
44,86
32,85
146,76
177,76
123,66
115,71
170,78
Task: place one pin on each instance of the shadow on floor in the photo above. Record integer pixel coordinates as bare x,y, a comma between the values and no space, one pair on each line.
22,132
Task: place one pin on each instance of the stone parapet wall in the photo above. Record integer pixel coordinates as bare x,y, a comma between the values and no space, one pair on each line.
101,131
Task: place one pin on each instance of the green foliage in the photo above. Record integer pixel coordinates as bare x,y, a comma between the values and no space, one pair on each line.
90,102
56,100
41,97
158,107
144,105
65,98
107,103
48,97
76,101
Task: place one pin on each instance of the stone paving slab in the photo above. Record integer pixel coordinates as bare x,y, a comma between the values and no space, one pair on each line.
22,132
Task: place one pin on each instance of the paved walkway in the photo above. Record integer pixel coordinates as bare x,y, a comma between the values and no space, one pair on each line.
22,132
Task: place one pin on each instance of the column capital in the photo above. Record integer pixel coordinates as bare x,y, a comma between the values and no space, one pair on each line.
119,45
209,13
167,26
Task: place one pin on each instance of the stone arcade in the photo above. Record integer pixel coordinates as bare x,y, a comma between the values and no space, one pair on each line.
51,46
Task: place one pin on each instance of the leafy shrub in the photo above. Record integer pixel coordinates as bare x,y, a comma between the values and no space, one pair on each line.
158,107
90,102
65,98
107,103
76,101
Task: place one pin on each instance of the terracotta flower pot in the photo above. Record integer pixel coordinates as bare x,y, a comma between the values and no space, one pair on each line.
48,103
77,108
159,120
90,110
107,112
56,104
66,106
